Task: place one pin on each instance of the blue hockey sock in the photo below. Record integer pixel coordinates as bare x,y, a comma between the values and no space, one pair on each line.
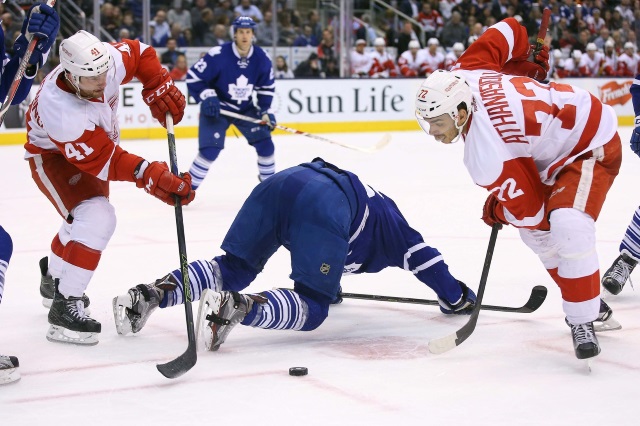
6,249
631,241
201,165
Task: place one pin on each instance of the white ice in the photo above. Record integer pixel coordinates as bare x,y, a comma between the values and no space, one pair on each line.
368,363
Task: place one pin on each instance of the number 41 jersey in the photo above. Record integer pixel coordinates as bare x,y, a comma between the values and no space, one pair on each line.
522,132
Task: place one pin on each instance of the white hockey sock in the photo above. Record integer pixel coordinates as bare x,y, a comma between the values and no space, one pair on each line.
266,166
199,170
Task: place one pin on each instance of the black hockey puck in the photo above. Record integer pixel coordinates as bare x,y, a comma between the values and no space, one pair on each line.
298,371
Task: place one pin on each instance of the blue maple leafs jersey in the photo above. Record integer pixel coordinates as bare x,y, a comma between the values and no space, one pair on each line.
8,70
234,79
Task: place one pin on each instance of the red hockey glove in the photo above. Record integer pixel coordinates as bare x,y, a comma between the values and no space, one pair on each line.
536,67
492,211
158,181
163,96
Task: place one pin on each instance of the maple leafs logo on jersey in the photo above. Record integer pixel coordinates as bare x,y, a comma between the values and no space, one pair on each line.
242,90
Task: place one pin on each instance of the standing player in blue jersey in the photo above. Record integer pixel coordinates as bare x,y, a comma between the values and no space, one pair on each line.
331,223
617,275
227,77
42,22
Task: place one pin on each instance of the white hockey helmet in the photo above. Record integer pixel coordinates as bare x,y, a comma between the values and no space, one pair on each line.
458,47
414,44
379,41
576,54
84,55
434,41
557,54
591,47
630,45
441,93
610,43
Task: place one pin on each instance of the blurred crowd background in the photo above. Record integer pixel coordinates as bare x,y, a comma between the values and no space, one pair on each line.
386,38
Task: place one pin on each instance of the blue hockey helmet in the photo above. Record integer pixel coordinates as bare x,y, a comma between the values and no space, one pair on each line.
243,22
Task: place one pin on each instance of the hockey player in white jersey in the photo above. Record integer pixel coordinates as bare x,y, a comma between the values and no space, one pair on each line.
227,77
452,57
73,152
628,61
547,153
592,63
413,62
433,57
383,64
42,22
360,61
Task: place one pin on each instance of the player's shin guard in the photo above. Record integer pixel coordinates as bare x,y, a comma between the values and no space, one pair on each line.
266,167
203,274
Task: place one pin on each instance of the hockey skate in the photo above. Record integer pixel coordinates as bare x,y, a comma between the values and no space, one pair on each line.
617,275
585,342
132,310
605,320
464,306
9,369
70,323
218,313
47,287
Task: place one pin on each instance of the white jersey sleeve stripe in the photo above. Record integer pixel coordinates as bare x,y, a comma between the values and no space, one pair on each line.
507,32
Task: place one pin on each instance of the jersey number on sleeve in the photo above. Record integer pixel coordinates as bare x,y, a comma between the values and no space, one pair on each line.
79,151
566,114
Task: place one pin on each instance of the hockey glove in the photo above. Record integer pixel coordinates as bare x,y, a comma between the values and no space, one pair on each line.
492,211
162,96
158,181
41,22
464,306
536,67
269,119
210,106
635,137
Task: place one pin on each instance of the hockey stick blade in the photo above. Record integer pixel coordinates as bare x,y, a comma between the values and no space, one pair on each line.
537,297
180,365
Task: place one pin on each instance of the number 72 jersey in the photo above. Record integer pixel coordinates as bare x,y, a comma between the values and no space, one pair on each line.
522,132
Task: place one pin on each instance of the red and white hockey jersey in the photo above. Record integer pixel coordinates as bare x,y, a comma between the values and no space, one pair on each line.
569,68
383,65
522,132
628,65
360,63
449,60
411,66
85,131
434,62
592,67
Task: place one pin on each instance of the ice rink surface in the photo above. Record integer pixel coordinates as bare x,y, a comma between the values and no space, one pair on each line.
368,363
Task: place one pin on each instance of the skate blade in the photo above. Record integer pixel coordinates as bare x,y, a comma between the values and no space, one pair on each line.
209,303
120,304
608,325
63,335
9,375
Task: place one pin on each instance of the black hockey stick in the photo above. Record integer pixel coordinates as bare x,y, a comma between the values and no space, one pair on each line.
443,344
184,362
537,297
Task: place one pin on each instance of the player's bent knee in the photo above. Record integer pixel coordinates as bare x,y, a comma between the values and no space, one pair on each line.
6,245
236,273
210,152
573,231
94,222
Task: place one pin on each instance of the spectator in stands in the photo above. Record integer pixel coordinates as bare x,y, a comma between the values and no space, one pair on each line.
123,34
224,12
286,31
595,23
161,29
196,12
108,20
431,20
602,38
405,37
180,15
383,64
264,30
309,68
306,38
182,37
628,61
129,25
332,70
454,31
313,19
282,69
326,50
476,31
360,61
170,56
245,8
179,71
410,8
365,30
202,28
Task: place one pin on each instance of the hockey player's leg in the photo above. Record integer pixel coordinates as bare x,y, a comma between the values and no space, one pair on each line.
211,136
266,158
92,226
8,364
617,275
47,286
281,309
